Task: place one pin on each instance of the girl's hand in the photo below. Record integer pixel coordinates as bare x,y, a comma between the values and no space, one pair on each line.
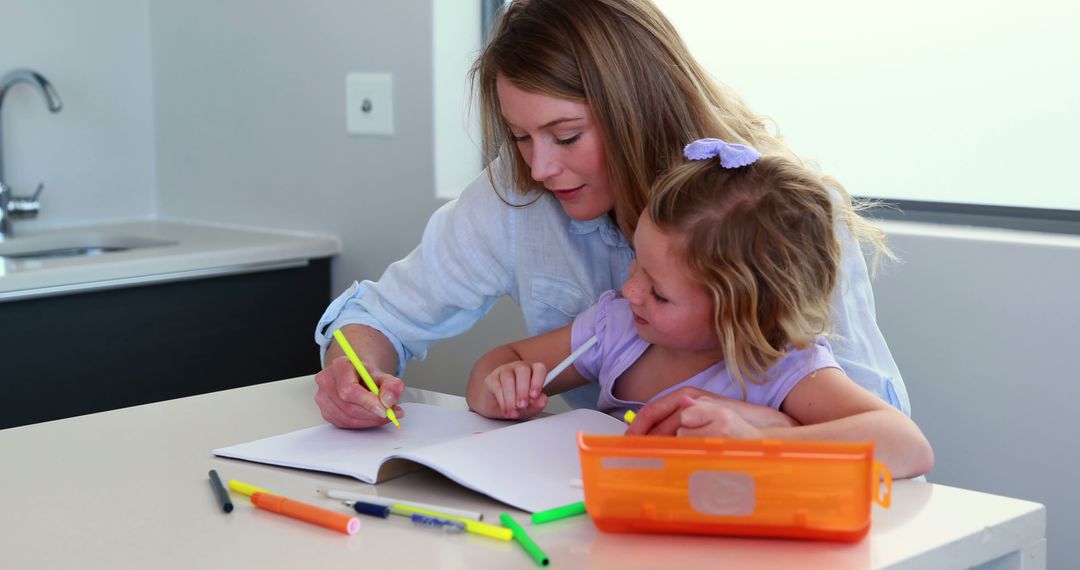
711,418
517,388
664,416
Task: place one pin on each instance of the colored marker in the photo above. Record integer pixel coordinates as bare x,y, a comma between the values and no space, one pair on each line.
573,509
629,416
524,540
388,501
359,366
569,360
305,512
245,489
220,492
475,527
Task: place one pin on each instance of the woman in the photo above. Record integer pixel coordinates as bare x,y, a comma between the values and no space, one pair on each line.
585,103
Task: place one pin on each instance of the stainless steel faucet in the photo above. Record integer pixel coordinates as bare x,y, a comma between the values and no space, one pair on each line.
14,207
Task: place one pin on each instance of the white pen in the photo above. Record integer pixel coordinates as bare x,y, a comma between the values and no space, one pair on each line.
387,501
569,360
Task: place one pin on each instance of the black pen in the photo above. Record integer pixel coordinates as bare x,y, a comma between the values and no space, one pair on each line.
219,490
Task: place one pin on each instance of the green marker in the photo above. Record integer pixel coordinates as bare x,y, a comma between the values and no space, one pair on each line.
573,509
523,539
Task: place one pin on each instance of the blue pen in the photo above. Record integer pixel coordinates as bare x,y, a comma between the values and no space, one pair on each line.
369,509
448,526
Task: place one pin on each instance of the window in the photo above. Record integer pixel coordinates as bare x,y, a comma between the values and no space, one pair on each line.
955,108
927,103
456,43
458,35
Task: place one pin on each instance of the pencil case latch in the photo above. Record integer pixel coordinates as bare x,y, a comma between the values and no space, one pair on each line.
882,485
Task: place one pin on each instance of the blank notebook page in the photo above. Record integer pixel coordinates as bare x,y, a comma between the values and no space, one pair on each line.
528,465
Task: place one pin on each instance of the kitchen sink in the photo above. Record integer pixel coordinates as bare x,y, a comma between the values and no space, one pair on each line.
44,246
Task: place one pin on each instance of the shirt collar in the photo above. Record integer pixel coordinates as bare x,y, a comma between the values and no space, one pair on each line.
609,232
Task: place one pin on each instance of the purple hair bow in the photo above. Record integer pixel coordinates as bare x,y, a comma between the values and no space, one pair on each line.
731,155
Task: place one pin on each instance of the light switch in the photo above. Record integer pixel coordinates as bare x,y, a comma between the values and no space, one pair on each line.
369,103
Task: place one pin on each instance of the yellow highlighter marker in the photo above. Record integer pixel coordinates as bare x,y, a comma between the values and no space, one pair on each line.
245,489
359,366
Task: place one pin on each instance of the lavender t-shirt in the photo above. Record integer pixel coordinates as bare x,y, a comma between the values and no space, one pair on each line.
618,346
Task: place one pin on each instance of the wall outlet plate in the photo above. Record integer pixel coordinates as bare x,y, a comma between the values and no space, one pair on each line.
369,103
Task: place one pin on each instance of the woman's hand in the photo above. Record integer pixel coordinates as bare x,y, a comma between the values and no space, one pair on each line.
514,391
664,416
346,403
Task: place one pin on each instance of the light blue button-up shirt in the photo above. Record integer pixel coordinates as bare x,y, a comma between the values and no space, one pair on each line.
478,248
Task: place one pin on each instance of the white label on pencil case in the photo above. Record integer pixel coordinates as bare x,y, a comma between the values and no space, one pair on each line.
631,463
722,493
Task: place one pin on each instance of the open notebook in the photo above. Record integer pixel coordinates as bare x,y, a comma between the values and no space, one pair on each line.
528,465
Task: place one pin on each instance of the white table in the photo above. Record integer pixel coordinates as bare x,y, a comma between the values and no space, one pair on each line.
129,489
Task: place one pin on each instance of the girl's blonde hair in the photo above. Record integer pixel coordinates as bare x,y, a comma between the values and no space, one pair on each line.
760,239
647,94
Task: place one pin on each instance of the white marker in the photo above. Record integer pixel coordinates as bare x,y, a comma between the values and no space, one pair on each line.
569,360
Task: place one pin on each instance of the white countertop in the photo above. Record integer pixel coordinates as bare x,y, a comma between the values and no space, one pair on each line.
129,489
200,250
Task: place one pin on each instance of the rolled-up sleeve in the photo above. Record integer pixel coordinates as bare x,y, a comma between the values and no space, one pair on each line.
463,265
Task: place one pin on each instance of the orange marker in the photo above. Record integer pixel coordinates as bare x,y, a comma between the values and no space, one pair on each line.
307,513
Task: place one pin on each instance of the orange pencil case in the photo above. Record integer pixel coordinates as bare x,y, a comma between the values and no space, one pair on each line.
797,489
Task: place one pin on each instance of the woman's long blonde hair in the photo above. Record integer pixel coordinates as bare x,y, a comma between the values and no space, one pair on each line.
648,95
760,239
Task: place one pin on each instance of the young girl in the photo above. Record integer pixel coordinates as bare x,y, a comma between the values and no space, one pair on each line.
736,264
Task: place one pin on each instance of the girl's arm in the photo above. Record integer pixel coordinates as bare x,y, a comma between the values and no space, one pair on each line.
508,381
830,406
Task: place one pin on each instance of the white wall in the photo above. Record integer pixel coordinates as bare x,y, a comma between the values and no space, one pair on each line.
250,109
985,325
96,157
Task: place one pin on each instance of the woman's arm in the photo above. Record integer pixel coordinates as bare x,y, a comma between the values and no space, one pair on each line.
508,381
858,344
461,267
